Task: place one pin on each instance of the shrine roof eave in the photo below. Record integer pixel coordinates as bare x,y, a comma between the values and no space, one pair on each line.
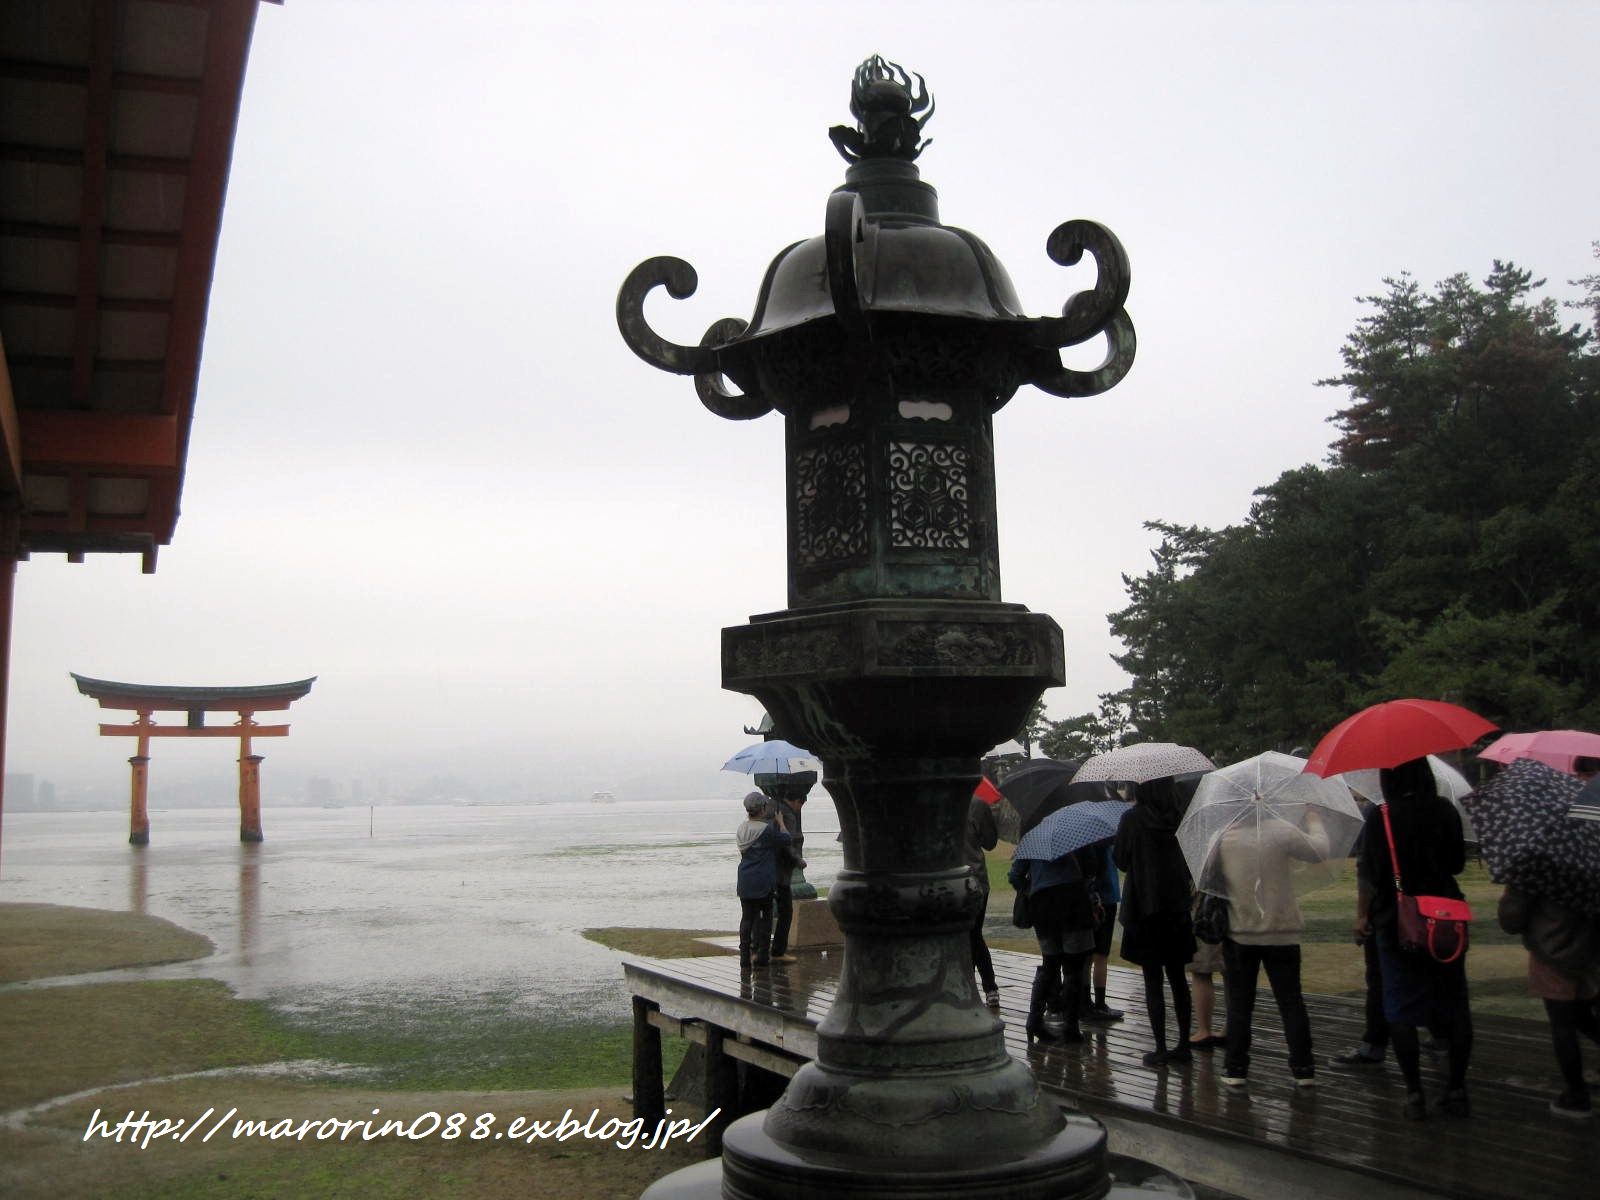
162,697
116,134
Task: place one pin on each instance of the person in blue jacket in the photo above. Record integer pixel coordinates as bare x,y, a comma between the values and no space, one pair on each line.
759,838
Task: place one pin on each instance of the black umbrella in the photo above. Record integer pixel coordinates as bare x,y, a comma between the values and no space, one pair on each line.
1529,839
1040,787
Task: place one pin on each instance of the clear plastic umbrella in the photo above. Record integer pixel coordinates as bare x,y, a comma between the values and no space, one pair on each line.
1261,832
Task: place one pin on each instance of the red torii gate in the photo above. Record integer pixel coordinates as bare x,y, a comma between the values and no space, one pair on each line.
144,699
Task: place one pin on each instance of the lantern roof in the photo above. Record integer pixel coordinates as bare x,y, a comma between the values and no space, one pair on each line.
884,261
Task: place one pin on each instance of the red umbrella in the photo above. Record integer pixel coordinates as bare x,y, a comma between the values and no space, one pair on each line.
1394,732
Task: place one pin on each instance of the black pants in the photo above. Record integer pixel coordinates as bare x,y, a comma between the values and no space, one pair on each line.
1569,1018
782,917
1421,992
980,948
755,930
1241,966
1376,1035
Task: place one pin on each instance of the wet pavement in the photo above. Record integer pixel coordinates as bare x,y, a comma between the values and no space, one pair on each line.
447,907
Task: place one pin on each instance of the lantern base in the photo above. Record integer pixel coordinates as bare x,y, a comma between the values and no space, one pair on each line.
1073,1165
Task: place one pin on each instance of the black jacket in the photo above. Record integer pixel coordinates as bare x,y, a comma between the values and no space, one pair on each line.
1429,844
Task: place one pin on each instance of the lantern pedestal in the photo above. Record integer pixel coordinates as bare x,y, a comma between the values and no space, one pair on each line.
912,1091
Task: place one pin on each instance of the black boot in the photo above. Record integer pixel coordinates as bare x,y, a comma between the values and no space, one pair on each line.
1043,986
1072,1003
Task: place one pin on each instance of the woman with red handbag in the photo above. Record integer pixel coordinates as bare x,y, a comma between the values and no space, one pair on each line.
1416,837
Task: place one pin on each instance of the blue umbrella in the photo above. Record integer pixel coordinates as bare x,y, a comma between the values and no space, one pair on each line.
1072,828
772,758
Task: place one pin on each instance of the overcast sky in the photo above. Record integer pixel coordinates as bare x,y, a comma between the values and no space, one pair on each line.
426,469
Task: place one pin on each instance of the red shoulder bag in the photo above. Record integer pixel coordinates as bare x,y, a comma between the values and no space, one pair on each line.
1437,925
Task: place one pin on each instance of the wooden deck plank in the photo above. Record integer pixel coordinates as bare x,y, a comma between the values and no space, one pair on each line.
1510,1146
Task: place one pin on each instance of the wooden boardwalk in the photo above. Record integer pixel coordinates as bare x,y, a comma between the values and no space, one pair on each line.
1344,1137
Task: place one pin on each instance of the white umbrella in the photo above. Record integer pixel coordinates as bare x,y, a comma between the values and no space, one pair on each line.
1142,762
773,758
1261,831
1452,785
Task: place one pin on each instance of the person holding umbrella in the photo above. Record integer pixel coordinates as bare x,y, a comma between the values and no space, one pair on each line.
1055,866
1550,864
1563,971
1258,833
1157,935
1428,852
1061,907
1264,927
760,839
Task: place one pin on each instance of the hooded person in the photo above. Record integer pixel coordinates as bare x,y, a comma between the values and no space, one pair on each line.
759,838
1418,990
1157,933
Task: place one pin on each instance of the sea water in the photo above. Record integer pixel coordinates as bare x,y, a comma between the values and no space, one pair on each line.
413,906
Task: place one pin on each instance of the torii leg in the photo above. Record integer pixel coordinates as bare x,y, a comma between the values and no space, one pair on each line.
138,805
250,798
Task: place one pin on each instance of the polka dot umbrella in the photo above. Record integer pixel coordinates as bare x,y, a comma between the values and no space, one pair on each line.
1529,839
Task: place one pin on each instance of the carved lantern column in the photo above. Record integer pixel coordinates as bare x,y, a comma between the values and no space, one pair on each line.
887,344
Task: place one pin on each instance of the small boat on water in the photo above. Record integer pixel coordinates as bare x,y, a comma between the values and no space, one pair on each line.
603,798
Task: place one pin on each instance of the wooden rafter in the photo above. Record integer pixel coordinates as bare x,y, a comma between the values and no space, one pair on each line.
122,81
67,300
52,440
109,235
228,29
149,164
92,211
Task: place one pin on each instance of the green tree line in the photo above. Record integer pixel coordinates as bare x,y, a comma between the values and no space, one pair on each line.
1448,548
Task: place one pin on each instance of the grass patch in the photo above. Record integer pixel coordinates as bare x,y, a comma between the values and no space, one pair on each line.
659,943
49,1159
56,1041
44,940
487,1048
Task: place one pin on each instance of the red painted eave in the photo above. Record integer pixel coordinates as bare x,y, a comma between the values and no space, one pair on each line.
104,291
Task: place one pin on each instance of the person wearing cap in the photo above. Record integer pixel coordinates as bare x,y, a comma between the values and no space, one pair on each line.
759,837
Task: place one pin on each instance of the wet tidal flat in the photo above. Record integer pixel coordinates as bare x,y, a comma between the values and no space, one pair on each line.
444,935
